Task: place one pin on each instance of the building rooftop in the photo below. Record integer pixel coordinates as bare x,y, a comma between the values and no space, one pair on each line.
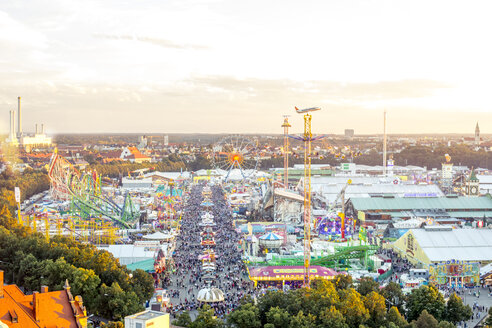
455,244
449,204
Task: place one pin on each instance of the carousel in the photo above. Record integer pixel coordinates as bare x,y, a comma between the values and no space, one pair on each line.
271,240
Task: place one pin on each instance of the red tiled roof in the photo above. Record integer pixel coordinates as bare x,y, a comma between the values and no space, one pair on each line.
49,309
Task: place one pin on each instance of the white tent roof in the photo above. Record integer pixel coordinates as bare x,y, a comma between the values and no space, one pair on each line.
157,236
210,295
455,244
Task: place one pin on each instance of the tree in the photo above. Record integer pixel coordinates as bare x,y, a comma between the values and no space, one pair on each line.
426,320
367,285
113,324
446,324
393,295
352,307
29,272
343,281
396,318
376,306
456,311
278,317
488,321
143,284
183,320
247,316
333,318
425,298
303,321
206,319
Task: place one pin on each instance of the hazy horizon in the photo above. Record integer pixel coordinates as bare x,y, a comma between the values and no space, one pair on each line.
216,66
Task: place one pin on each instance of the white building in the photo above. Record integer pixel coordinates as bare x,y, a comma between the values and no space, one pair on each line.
144,319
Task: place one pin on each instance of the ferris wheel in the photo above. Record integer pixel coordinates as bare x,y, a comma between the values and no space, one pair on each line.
236,152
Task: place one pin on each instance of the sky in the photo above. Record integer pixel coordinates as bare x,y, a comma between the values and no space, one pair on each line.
231,66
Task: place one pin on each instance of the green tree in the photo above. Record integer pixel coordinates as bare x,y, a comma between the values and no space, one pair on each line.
333,318
246,316
367,285
303,321
29,272
488,321
113,324
278,317
426,320
425,298
394,296
143,285
206,319
396,318
183,320
456,311
446,324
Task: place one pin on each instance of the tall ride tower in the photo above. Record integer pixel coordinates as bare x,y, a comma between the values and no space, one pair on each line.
286,127
307,138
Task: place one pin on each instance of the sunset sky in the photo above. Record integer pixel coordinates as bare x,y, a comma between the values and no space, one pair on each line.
238,66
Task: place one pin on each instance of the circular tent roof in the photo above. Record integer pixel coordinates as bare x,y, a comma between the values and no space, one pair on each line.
270,236
210,295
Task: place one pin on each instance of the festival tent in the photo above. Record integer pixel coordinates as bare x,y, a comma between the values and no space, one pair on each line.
289,273
158,236
210,295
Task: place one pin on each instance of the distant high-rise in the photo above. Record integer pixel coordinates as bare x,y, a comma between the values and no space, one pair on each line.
349,133
477,136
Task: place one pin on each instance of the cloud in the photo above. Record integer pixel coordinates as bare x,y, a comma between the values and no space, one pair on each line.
155,41
332,92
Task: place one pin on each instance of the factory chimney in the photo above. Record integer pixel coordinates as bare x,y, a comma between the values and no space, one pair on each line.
42,128
11,133
36,128
19,118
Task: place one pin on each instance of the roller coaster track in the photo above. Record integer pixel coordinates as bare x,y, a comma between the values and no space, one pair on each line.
84,191
344,253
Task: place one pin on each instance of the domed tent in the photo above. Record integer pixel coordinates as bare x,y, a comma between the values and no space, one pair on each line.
271,240
210,295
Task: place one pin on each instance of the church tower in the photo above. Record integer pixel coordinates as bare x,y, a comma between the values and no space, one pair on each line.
477,136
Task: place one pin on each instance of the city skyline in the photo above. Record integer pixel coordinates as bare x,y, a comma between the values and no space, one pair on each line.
210,66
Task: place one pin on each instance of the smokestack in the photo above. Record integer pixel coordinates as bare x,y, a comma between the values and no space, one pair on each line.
19,117
36,128
10,126
42,128
12,123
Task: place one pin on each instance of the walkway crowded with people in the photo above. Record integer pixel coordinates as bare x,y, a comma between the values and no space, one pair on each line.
230,274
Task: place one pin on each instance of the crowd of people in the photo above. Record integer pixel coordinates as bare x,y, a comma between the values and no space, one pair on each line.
229,275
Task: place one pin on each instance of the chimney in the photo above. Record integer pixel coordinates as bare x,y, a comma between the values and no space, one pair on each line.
44,289
1,284
42,128
36,128
12,122
35,306
19,117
